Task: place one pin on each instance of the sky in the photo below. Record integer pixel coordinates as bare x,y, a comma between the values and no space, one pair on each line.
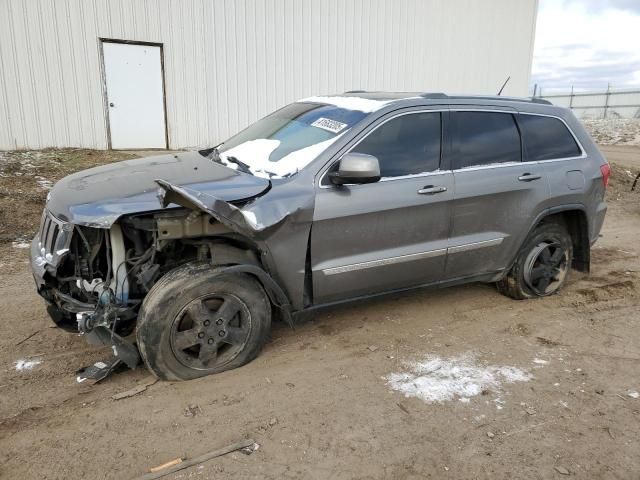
587,44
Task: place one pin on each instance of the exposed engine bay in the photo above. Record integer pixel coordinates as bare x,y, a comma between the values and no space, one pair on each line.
103,275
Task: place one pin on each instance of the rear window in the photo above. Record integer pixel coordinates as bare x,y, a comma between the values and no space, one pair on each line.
484,138
546,138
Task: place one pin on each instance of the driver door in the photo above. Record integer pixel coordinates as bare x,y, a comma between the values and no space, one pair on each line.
392,234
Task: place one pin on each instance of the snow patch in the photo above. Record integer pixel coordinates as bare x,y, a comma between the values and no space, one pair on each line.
614,131
256,153
44,183
438,379
22,365
20,244
539,361
251,152
365,105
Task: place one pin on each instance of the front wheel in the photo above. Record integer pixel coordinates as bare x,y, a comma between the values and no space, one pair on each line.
197,321
542,265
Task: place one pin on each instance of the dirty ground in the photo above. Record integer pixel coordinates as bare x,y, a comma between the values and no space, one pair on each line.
501,389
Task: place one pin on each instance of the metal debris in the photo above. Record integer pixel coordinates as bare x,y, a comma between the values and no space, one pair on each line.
99,371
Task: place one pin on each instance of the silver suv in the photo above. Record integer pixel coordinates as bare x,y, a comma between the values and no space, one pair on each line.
326,200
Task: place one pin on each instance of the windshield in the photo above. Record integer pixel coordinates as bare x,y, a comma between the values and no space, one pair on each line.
284,142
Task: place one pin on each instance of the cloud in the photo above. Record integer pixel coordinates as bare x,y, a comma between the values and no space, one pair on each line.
599,5
587,44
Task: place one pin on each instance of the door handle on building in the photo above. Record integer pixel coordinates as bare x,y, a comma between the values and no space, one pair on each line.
528,177
431,190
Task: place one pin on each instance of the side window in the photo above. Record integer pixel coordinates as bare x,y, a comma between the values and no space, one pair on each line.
484,138
406,145
546,138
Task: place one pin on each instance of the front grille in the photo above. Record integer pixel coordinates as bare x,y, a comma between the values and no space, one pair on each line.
54,237
49,231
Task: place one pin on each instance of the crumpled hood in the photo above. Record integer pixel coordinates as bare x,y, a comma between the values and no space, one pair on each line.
97,197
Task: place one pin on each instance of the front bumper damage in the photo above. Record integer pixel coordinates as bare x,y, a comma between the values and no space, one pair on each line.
95,320
98,303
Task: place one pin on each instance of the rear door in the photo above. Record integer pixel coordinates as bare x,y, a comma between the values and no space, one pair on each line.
497,194
391,234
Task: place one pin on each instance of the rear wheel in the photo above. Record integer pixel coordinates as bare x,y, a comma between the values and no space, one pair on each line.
542,265
197,321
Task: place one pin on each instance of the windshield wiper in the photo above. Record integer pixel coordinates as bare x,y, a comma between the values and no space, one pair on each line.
243,166
211,153
214,154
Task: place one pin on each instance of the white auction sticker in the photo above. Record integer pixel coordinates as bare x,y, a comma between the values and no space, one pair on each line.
332,126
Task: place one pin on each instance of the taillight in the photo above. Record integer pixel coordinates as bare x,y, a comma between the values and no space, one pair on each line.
606,173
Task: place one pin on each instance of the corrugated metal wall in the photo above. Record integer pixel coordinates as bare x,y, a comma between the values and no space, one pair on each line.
229,62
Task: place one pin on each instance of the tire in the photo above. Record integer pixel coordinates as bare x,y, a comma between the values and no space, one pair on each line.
527,276
198,321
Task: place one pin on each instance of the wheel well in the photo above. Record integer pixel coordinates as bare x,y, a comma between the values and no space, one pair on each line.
240,258
578,227
224,253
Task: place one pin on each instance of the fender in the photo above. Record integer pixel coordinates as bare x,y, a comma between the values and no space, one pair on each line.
274,291
240,220
545,213
257,225
557,209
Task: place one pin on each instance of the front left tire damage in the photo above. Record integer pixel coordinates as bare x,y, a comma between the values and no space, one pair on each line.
198,320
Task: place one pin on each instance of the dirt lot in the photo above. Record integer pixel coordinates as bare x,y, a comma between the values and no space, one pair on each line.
318,400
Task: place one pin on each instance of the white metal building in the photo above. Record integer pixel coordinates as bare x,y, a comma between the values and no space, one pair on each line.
186,73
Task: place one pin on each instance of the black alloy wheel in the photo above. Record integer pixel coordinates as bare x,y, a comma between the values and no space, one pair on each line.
210,329
546,267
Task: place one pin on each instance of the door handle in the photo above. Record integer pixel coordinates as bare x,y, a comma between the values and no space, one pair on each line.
431,190
528,177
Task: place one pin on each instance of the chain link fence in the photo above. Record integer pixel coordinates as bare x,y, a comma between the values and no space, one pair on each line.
596,105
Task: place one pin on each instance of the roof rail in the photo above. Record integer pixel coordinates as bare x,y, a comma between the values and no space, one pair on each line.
514,99
438,95
541,100
442,96
434,95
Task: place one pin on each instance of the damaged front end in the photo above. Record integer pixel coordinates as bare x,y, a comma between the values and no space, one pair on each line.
94,263
95,279
82,273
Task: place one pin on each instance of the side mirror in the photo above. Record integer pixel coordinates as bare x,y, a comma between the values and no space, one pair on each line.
356,168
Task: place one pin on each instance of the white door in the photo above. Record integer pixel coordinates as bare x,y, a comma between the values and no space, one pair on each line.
135,95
